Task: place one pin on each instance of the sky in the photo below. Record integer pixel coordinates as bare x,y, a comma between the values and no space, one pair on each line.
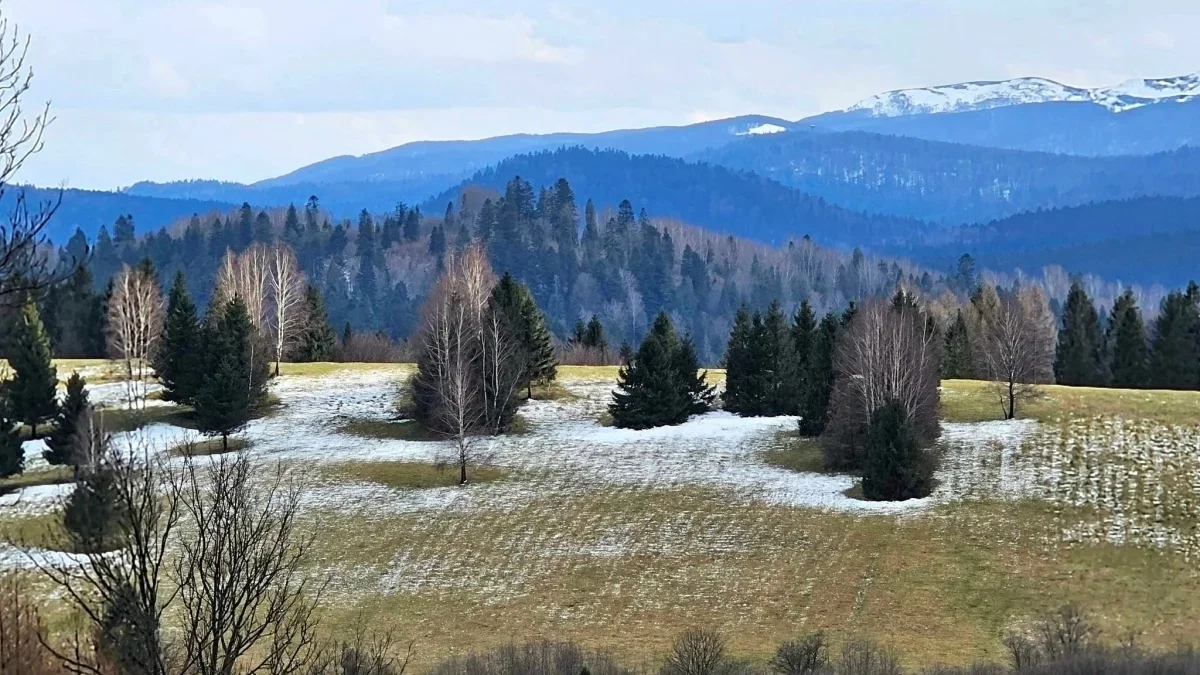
243,90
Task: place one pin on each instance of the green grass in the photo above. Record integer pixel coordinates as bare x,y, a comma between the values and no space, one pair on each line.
117,420
793,452
390,430
975,401
409,475
55,475
329,367
209,446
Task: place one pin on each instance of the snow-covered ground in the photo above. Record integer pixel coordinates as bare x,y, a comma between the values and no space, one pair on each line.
567,453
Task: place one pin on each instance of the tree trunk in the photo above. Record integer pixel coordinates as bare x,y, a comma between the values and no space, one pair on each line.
276,367
462,473
1012,401
224,443
33,431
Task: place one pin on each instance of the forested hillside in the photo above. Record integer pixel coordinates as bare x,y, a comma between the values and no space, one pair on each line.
950,182
717,198
579,261
88,210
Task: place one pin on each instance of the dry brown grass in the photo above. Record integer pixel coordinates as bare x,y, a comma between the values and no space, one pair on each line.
408,475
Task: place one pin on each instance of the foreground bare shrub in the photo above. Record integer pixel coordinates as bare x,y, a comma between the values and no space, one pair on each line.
21,633
863,657
532,658
1053,637
696,652
809,654
373,348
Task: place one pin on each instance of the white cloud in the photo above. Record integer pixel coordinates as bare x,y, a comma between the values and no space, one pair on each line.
241,89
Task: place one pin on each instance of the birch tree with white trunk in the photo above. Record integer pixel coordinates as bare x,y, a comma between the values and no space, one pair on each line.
286,288
133,326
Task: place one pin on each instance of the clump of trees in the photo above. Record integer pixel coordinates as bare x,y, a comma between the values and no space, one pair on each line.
662,383
480,344
884,414
764,363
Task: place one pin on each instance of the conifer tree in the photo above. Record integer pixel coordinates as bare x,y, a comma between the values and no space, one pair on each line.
819,377
1175,351
662,384
579,333
1127,343
528,324
91,515
783,375
1079,359
594,337
896,467
236,372
804,327
31,392
12,454
178,361
738,396
60,444
956,359
318,341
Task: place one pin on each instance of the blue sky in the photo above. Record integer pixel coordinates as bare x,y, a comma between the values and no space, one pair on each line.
248,89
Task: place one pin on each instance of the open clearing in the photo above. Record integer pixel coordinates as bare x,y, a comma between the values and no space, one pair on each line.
621,539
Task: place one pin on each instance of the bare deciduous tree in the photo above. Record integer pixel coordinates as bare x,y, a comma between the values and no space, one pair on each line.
247,275
1014,340
696,652
134,324
468,371
286,285
120,591
239,574
22,265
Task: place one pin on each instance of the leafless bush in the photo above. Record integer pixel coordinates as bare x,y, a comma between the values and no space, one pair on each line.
21,632
809,654
239,573
375,348
1052,637
532,658
696,652
571,354
863,657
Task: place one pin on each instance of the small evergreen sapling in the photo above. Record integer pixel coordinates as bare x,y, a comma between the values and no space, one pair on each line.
61,443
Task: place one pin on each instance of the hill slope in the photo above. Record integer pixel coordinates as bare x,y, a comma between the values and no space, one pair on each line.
951,182
89,209
715,197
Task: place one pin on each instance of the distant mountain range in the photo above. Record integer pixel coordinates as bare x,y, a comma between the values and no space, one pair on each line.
909,169
968,96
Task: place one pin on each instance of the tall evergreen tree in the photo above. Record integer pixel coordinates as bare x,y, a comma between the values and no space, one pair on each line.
528,326
412,225
236,372
739,395
1127,343
318,341
61,443
593,337
783,389
293,231
1079,359
956,359
31,392
1175,352
662,384
178,361
819,377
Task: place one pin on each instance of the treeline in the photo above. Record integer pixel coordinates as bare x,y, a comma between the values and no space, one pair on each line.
1120,350
373,274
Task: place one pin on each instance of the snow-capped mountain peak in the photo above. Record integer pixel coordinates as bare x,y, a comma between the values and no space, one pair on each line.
761,129
969,96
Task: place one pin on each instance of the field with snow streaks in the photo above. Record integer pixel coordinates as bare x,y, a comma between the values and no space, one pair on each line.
621,538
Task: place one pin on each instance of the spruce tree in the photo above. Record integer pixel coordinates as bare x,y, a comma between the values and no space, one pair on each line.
236,372
594,337
579,333
1127,343
661,385
178,361
528,327
12,454
91,515
737,394
31,392
804,327
318,341
819,377
783,375
1079,359
956,359
1175,352
60,444
896,467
